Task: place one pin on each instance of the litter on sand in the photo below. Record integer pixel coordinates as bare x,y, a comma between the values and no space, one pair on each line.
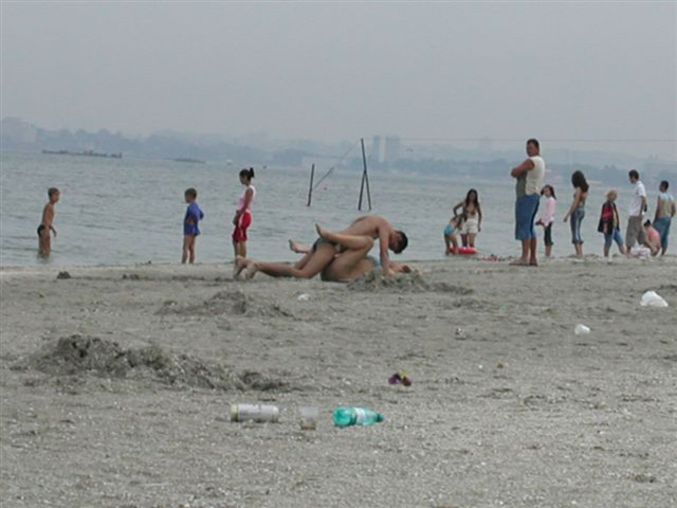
653,299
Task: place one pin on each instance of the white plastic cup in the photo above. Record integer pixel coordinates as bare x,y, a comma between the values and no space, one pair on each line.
308,417
581,329
254,412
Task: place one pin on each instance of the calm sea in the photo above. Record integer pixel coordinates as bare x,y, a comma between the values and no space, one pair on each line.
115,212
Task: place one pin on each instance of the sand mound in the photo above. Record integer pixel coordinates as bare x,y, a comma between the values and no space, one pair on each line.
79,355
227,302
410,283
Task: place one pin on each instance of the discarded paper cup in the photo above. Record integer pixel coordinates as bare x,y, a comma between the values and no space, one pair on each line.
581,329
308,417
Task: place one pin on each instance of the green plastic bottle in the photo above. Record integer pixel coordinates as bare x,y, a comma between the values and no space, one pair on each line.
349,416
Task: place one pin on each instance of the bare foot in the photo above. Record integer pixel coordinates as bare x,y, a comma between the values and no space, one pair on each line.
250,270
295,247
533,262
324,233
519,262
240,264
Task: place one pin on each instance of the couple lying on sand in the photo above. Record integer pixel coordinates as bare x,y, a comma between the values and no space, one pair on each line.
339,257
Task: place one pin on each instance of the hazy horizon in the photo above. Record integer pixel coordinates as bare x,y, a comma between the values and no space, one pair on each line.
596,76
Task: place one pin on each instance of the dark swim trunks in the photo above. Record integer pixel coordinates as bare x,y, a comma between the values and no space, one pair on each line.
322,241
41,228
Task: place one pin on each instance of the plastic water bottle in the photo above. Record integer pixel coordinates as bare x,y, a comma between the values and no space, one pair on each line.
348,416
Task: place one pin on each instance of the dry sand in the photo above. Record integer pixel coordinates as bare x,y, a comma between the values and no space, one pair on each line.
116,384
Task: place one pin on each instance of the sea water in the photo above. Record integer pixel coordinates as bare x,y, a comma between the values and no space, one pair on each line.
115,212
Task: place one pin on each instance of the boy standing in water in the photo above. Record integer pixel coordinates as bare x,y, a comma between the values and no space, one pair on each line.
190,226
46,227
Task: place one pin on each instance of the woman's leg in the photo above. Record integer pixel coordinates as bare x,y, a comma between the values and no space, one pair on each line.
618,238
350,242
471,240
341,274
608,239
349,264
299,248
572,224
311,264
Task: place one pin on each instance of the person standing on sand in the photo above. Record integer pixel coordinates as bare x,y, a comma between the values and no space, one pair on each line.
529,178
46,227
471,212
665,211
577,210
243,216
329,244
610,224
638,205
190,226
548,217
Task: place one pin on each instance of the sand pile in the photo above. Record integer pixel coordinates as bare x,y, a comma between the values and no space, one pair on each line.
409,283
227,302
79,355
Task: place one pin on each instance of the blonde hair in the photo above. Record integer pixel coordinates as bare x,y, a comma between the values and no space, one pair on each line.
611,194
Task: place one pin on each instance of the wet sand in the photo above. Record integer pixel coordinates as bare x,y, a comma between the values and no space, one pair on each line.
116,384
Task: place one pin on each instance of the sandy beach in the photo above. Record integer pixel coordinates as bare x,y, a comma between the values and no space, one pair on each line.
116,384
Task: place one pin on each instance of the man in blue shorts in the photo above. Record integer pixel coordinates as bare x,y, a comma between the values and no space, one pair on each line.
529,176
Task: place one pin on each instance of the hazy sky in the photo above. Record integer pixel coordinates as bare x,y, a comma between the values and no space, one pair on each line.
344,70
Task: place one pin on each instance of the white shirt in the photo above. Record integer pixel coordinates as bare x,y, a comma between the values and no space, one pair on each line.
535,176
638,193
240,203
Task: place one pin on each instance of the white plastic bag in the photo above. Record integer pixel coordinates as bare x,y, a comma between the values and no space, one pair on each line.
581,329
652,299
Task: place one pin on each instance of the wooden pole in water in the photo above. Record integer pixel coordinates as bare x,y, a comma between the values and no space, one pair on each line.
365,179
310,189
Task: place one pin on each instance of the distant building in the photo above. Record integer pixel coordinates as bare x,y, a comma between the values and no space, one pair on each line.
655,164
375,152
393,149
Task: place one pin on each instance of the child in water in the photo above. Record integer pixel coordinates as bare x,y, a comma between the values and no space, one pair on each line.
243,216
610,224
46,227
190,226
450,238
548,217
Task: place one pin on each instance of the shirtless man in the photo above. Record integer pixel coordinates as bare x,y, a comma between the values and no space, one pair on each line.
356,240
46,227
